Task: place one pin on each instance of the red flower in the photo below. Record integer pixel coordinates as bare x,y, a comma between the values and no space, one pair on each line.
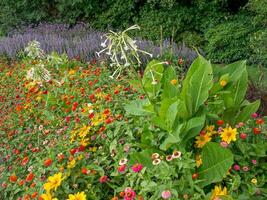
259,121
81,148
220,122
48,162
116,91
243,136
25,160
84,171
256,130
67,119
91,115
195,176
109,120
103,179
13,178
21,182
29,177
121,168
73,151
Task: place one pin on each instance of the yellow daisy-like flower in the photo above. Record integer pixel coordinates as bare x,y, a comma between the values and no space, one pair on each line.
254,181
77,196
198,160
218,191
48,196
53,182
228,134
201,140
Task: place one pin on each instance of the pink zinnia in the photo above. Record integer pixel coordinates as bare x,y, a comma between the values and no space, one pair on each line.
137,167
245,168
254,162
129,194
254,115
236,167
224,144
121,168
166,194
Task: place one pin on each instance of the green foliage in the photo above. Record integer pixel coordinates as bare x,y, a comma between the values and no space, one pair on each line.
216,162
182,113
229,41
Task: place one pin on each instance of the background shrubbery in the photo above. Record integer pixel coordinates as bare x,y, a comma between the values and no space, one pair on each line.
235,29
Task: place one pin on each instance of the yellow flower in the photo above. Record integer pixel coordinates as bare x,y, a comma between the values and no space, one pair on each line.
92,149
228,134
201,140
254,181
84,131
48,196
223,83
218,191
198,160
72,72
174,81
77,196
53,182
72,163
38,98
210,130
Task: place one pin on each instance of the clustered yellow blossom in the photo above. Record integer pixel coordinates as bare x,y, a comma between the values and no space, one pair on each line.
202,139
82,133
217,192
205,136
53,182
77,196
48,196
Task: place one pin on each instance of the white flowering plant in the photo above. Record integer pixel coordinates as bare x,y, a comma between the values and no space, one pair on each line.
122,50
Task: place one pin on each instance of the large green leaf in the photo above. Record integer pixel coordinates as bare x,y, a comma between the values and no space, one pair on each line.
136,108
216,163
193,127
168,111
172,138
197,84
238,89
170,90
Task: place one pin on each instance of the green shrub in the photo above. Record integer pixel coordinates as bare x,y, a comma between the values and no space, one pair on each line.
228,42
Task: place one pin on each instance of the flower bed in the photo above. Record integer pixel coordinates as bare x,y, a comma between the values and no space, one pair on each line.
81,135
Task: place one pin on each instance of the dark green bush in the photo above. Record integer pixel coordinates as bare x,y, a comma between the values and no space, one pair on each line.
229,41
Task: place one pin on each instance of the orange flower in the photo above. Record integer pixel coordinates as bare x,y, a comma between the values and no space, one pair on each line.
13,178
47,162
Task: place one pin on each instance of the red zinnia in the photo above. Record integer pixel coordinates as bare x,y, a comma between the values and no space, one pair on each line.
13,178
47,162
29,177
